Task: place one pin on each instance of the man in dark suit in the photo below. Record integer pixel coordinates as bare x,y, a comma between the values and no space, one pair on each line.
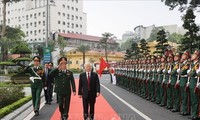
89,89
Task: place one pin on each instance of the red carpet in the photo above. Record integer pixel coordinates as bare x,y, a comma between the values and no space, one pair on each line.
103,111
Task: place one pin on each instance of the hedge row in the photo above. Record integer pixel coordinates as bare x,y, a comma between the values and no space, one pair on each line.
10,108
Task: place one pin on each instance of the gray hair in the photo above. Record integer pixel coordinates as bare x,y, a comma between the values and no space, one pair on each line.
87,64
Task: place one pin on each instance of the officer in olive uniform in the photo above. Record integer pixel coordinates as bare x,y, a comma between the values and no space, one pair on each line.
161,77
174,77
183,81
157,77
36,72
192,83
64,81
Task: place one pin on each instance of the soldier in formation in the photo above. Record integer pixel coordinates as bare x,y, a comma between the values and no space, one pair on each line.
170,80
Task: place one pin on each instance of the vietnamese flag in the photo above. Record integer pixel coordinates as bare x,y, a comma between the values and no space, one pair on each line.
102,66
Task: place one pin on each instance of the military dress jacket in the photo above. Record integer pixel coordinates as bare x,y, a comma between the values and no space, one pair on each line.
64,81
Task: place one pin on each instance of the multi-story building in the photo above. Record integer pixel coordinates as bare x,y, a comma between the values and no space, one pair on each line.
145,32
128,35
64,16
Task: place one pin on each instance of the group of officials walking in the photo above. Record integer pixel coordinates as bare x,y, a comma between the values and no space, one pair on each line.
62,80
171,80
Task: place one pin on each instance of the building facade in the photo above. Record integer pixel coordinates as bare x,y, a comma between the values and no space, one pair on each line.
64,16
76,40
75,58
142,32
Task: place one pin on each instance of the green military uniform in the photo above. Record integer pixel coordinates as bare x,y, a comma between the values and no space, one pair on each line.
157,77
36,73
192,85
64,81
175,91
161,77
152,78
183,81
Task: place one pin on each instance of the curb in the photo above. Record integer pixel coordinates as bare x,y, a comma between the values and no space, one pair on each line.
19,111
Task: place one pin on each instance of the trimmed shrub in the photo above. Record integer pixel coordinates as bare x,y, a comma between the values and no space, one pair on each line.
10,94
10,108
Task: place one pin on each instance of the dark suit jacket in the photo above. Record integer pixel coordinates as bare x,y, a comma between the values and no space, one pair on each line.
83,85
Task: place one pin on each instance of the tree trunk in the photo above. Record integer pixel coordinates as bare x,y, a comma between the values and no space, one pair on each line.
83,59
106,53
4,20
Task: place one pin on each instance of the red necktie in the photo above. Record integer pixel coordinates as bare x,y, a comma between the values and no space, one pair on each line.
88,81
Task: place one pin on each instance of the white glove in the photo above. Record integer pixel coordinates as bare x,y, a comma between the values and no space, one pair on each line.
163,71
45,88
198,71
32,79
30,64
178,70
188,71
169,71
158,70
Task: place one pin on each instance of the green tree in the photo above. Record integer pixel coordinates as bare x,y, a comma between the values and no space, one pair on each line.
128,54
12,37
153,35
135,50
190,40
183,4
104,42
52,45
144,48
61,44
127,44
5,2
162,44
83,49
21,49
175,37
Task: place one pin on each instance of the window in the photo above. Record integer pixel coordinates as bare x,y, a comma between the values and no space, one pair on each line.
80,18
26,17
77,9
43,14
68,7
35,16
39,22
31,39
68,16
31,32
26,25
31,15
81,26
76,1
77,25
63,22
43,31
31,24
27,33
72,17
63,31
8,21
68,31
76,17
35,39
39,31
39,13
59,13
35,24
72,8
35,32
58,21
64,14
77,62
68,24
19,19
43,23
72,25
63,5
58,30
8,12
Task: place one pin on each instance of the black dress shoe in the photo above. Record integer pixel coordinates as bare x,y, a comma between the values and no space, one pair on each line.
36,113
184,114
175,110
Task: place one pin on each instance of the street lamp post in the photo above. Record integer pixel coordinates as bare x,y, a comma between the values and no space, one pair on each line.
47,23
